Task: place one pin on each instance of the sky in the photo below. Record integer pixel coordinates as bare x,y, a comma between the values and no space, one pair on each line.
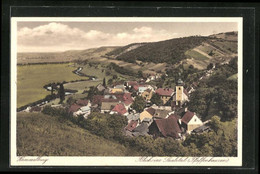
63,36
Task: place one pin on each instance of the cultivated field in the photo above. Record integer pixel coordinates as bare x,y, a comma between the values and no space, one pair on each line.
43,135
32,78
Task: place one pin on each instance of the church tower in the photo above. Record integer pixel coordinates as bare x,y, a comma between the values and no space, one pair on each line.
179,92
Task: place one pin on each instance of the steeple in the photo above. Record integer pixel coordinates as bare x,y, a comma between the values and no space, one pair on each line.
180,82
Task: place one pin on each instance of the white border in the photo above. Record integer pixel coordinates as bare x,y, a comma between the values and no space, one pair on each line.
121,161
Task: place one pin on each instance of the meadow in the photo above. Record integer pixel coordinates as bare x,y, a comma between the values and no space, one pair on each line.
44,135
32,78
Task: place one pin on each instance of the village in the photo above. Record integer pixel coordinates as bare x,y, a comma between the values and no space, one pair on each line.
170,118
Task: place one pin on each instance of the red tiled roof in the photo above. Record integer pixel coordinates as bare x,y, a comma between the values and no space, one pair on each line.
175,116
97,99
164,91
187,117
82,102
151,111
132,125
120,109
132,83
74,108
168,127
128,98
185,92
136,87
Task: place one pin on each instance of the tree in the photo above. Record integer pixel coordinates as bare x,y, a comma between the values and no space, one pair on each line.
115,76
139,104
62,93
156,99
104,82
140,74
210,66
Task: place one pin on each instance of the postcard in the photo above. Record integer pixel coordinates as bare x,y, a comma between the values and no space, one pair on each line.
126,91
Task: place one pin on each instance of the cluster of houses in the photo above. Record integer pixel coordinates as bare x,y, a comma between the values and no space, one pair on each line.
172,119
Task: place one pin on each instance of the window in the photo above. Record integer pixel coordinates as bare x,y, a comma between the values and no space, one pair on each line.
179,88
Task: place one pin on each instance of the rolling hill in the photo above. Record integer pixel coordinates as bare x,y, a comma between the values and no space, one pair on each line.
66,56
44,135
195,50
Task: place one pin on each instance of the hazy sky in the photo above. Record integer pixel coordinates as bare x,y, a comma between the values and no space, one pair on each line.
62,36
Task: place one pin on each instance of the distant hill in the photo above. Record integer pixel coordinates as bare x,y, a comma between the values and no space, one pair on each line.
66,56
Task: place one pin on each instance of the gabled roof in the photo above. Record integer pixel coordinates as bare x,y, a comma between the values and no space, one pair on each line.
142,128
133,116
151,111
132,125
120,109
97,99
74,107
82,102
108,105
127,98
85,108
185,92
161,113
164,91
100,87
187,117
175,116
168,127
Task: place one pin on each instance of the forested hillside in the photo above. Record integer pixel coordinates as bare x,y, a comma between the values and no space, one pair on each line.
170,51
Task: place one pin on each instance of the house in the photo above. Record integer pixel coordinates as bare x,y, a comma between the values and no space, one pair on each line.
147,94
119,109
130,84
106,107
201,129
85,111
168,108
165,94
148,113
181,95
141,129
148,121
131,117
119,86
190,121
116,90
127,100
165,128
74,108
100,87
131,125
83,102
161,113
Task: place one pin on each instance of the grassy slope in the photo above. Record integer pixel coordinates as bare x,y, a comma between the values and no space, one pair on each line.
43,135
233,77
32,78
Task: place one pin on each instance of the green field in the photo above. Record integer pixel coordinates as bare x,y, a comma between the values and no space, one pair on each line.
32,78
43,135
195,55
229,47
